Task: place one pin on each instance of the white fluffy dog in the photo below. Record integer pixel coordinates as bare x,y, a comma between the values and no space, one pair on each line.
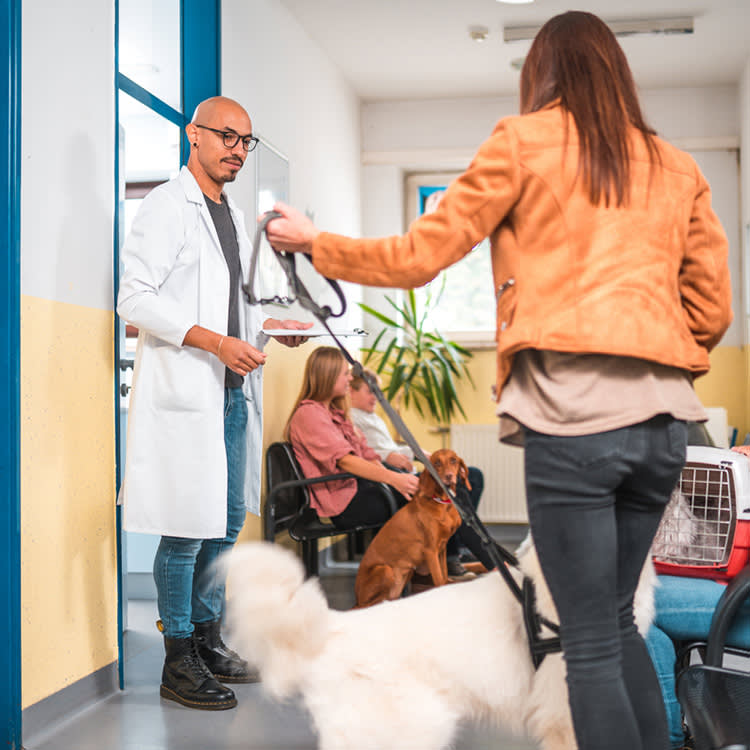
402,674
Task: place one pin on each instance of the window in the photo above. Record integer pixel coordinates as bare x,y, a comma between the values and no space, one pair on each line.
465,311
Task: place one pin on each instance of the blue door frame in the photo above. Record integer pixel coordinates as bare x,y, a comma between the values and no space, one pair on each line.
10,325
200,62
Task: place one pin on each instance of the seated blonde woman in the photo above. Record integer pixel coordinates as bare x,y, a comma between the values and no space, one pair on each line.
326,442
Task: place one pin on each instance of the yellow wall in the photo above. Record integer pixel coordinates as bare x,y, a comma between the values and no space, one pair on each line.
727,385
282,378
68,563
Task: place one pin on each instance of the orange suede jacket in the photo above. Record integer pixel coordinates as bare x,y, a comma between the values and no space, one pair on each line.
648,280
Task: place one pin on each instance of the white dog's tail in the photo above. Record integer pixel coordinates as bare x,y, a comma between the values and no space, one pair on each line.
276,619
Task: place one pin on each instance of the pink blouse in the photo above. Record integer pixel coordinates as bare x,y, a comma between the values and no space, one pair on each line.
320,437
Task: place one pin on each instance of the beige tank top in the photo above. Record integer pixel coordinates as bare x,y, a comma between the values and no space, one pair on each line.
579,394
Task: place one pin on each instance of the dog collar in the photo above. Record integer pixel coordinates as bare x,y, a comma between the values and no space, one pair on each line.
440,500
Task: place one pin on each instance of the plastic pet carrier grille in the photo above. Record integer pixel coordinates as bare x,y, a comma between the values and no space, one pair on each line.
705,531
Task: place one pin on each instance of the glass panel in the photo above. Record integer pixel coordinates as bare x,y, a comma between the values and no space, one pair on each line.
149,47
271,185
467,302
150,143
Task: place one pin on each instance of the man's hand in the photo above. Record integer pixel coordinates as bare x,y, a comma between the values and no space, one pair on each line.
743,449
289,325
399,461
236,354
239,356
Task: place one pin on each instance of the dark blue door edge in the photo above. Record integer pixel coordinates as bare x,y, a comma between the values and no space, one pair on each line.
10,394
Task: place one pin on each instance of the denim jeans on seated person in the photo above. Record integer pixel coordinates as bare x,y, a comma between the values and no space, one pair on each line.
595,502
188,589
684,608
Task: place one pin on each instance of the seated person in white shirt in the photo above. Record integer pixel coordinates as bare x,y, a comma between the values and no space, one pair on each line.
401,457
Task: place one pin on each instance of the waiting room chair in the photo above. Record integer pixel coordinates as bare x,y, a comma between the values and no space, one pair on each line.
715,698
288,508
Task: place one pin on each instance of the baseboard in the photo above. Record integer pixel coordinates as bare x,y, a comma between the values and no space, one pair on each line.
46,716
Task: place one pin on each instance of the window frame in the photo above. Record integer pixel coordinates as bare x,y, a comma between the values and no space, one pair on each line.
473,340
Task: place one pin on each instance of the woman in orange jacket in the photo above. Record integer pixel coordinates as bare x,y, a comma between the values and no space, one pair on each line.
612,286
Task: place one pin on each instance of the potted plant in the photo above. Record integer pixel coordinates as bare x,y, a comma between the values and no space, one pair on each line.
418,366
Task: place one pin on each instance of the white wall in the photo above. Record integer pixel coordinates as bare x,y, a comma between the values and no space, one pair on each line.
67,141
300,103
405,137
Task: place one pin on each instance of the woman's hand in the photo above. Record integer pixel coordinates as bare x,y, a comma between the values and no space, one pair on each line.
406,484
294,233
399,461
743,449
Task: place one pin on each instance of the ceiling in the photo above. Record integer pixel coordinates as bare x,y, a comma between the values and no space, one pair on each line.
420,49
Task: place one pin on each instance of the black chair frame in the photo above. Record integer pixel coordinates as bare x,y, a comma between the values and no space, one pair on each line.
287,506
715,699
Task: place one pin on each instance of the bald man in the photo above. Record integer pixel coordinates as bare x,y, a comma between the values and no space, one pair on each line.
193,464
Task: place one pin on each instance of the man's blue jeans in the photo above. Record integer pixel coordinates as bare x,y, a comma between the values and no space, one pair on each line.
684,608
188,587
595,502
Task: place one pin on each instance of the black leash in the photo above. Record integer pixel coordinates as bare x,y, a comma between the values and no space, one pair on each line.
540,646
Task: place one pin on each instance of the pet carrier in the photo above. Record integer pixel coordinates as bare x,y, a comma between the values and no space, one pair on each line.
705,532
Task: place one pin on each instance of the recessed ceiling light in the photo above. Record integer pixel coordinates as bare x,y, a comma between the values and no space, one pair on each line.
515,2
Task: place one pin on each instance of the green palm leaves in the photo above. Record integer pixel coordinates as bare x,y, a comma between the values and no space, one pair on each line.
418,366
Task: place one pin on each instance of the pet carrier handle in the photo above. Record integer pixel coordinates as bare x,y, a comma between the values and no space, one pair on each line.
737,590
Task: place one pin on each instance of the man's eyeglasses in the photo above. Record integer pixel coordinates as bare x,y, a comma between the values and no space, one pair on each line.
249,142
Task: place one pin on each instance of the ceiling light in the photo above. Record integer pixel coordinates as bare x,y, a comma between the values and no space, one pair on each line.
516,2
681,25
478,33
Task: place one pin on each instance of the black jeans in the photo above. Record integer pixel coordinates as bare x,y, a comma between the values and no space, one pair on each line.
595,502
368,506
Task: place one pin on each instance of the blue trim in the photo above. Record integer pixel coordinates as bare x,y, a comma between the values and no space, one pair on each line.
121,603
200,57
10,374
149,100
200,51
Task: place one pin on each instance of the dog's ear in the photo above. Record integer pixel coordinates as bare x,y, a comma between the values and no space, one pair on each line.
463,472
427,485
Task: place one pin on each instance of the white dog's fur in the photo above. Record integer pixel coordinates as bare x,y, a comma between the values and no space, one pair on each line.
402,674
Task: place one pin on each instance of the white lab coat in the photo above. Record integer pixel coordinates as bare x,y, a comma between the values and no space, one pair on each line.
174,277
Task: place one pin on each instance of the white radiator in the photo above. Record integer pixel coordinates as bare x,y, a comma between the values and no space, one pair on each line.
504,496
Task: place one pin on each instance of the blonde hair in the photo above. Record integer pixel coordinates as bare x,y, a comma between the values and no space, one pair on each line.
322,369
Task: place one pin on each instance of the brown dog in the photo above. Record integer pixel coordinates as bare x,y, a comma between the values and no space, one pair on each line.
414,538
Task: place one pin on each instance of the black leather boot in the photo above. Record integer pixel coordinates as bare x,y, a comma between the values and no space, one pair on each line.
225,664
187,680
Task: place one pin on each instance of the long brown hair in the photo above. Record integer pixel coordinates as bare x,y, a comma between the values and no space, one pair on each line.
322,369
575,58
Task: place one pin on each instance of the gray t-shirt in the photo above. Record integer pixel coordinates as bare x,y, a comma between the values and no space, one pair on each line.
231,249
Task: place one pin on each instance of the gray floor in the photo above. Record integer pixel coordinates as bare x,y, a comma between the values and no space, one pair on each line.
138,719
